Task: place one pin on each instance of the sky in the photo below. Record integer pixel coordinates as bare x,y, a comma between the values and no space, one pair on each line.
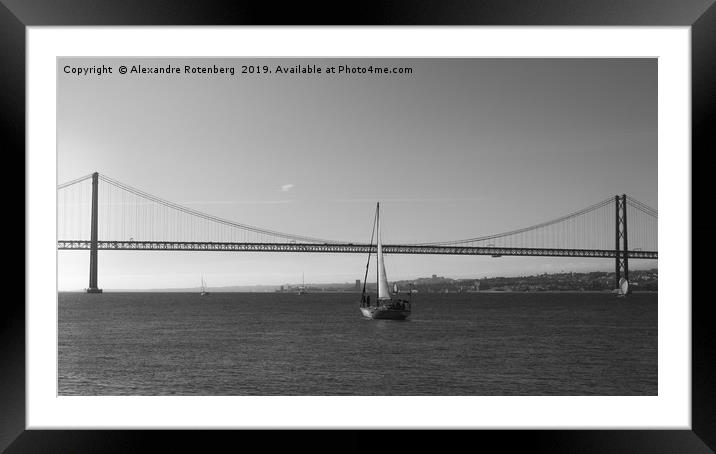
458,148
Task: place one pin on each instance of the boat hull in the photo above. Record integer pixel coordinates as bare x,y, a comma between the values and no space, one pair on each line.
384,313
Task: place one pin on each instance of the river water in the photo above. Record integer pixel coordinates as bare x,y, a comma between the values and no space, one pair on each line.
318,344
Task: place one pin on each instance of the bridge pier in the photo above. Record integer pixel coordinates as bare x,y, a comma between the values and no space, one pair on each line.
93,239
621,247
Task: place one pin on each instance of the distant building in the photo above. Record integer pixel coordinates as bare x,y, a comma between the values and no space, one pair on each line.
357,284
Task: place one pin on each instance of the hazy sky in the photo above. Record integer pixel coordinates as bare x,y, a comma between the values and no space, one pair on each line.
459,148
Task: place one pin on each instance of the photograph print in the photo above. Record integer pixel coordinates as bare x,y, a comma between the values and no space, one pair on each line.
357,226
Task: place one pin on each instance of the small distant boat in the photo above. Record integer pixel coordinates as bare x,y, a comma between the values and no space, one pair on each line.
204,292
302,289
623,289
385,306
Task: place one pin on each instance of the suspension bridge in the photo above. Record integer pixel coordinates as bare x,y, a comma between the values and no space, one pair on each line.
115,216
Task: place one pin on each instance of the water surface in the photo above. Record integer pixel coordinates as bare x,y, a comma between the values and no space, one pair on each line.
318,344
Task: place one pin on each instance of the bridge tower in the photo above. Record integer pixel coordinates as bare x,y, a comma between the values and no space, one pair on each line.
621,247
93,239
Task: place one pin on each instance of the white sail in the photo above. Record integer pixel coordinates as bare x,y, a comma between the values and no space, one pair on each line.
383,289
623,286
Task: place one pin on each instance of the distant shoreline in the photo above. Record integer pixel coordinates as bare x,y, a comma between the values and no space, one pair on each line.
568,282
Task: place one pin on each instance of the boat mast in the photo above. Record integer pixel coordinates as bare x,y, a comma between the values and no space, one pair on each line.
365,278
377,264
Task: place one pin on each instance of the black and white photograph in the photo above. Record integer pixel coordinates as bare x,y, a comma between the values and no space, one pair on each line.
374,226
357,226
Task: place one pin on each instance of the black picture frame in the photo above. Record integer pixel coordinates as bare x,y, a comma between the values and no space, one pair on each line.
700,15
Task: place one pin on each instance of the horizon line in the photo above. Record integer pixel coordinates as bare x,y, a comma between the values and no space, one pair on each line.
350,283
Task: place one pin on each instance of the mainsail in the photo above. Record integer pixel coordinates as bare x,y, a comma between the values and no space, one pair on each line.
383,289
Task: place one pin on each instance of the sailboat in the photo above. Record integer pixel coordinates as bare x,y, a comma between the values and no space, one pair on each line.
623,289
386,305
204,292
302,288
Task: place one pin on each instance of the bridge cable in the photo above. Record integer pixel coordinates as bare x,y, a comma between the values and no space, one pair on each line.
527,229
208,217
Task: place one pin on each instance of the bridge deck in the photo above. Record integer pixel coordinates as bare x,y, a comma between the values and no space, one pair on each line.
345,248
